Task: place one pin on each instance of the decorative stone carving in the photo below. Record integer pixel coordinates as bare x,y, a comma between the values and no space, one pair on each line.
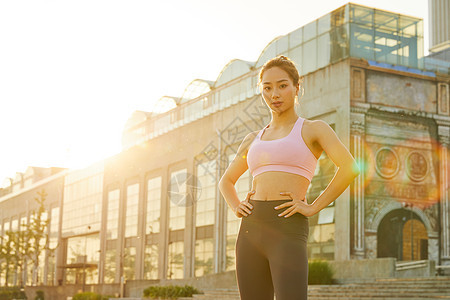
357,85
372,207
443,98
357,128
387,163
433,216
416,166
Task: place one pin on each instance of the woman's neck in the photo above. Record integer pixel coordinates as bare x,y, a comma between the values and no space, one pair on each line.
282,120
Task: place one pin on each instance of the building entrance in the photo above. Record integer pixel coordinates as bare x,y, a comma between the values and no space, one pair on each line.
402,235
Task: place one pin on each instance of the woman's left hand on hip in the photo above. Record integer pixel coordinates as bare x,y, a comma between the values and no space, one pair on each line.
295,206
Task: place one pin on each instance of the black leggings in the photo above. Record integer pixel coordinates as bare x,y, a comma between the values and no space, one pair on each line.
271,254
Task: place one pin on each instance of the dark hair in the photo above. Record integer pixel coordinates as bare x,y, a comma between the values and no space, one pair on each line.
284,63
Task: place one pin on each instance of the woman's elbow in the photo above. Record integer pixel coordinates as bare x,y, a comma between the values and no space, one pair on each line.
351,168
223,182
355,169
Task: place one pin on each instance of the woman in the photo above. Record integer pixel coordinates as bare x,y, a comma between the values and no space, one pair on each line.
271,253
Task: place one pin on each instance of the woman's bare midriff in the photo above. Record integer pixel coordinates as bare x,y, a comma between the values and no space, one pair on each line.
269,185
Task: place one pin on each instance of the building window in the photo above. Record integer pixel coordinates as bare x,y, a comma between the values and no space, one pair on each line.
131,223
112,219
83,194
53,243
205,205
151,262
82,259
129,263
242,188
153,205
175,260
321,225
178,196
110,266
204,254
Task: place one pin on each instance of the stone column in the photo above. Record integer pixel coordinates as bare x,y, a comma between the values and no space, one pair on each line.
444,141
357,132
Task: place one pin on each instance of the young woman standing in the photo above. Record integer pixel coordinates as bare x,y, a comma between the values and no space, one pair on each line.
271,252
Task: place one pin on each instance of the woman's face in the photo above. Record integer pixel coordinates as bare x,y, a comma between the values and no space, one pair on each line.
278,90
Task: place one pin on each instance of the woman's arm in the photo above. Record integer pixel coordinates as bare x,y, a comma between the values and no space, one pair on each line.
347,170
236,168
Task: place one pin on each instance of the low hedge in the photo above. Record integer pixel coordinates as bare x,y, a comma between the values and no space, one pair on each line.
8,293
170,291
89,296
320,272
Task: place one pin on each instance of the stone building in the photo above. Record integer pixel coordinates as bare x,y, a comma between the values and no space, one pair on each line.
154,211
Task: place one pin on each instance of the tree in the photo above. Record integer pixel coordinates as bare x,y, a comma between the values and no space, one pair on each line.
18,248
37,234
7,254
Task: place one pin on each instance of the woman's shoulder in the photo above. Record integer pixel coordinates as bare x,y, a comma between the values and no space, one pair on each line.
315,128
248,139
315,124
251,136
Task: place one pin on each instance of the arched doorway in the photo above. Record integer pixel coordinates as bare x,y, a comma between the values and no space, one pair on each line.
402,235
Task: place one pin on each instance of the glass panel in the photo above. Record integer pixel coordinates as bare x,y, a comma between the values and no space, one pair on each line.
323,50
83,251
339,43
407,25
309,31
131,222
83,194
110,266
51,269
296,38
112,218
340,16
151,262
386,21
175,260
179,198
326,216
269,52
129,263
282,44
204,253
310,56
296,55
324,24
15,225
386,46
361,42
361,15
205,208
153,205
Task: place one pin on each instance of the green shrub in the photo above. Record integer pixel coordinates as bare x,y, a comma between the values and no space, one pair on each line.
39,295
8,293
170,291
320,272
89,296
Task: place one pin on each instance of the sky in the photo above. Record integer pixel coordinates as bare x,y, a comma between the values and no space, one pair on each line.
73,72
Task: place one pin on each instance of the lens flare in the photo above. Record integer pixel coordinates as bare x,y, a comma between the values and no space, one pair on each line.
408,172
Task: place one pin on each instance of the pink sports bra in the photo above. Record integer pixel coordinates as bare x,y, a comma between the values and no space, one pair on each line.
288,154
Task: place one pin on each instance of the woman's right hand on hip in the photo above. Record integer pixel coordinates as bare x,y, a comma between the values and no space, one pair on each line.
244,208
